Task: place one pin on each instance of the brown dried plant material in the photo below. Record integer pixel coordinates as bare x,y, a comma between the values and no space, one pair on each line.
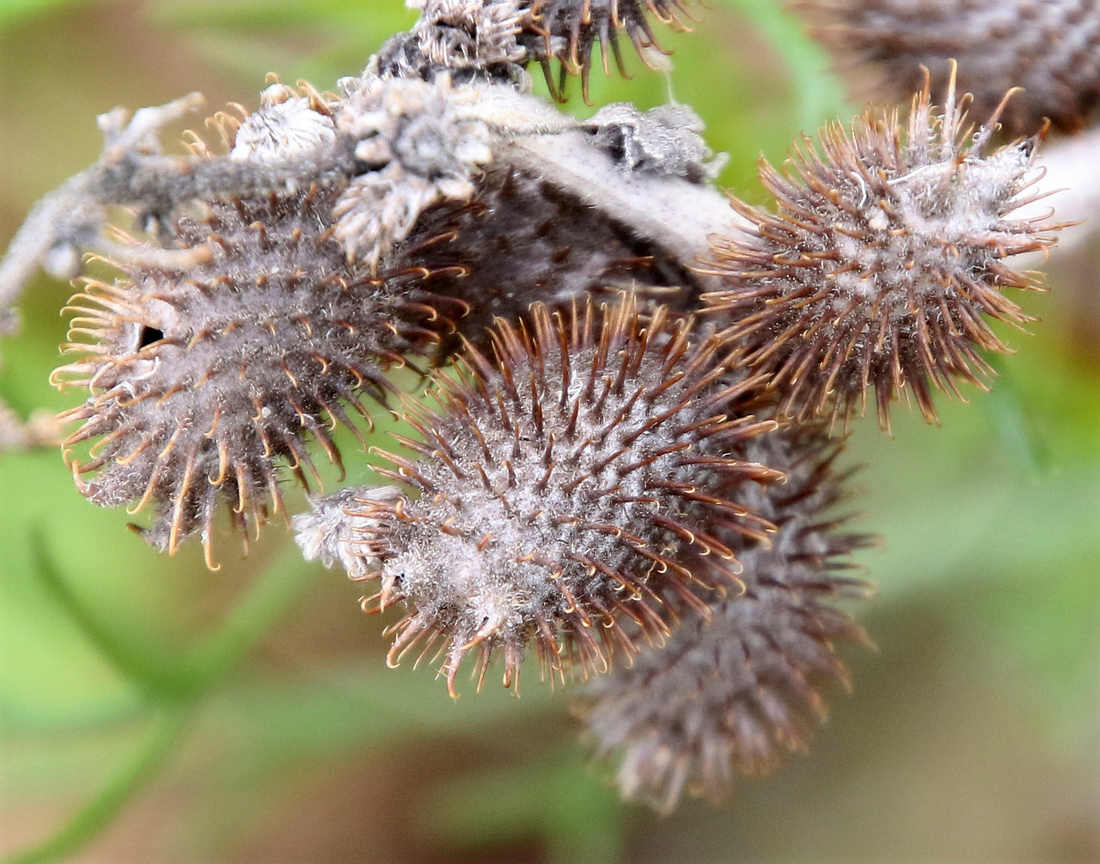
736,691
205,376
563,487
569,30
886,256
1049,48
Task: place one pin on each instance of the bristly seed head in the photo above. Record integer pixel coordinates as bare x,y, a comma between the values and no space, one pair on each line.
881,262
1049,48
211,364
563,487
734,692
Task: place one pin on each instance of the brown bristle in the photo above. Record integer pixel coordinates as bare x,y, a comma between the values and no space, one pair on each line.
569,30
882,263
205,381
562,488
736,691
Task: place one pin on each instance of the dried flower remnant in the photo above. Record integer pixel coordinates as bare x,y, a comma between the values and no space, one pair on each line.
736,693
288,126
562,487
884,259
331,530
494,40
568,30
1050,48
204,378
503,227
422,149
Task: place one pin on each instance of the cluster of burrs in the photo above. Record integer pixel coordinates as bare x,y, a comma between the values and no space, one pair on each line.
625,464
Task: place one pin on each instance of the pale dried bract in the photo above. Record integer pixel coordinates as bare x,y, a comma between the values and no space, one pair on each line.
422,149
331,530
286,128
468,39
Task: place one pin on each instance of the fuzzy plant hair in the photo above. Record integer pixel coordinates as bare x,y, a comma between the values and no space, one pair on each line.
884,261
1049,48
564,484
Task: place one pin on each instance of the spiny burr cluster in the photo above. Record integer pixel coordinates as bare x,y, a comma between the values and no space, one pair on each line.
248,317
737,690
563,486
1049,48
606,476
496,39
883,263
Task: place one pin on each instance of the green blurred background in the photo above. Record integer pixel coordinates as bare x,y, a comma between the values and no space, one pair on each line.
153,711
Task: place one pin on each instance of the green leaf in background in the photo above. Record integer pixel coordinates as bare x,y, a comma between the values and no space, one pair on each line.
11,10
818,92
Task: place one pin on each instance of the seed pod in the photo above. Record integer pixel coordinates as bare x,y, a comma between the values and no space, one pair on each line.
1050,48
562,488
735,691
211,364
882,262
567,31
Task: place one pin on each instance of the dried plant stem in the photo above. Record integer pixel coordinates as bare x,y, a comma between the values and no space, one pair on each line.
677,216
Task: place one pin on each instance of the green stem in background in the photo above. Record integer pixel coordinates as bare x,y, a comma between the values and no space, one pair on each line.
175,692
1013,423
147,673
98,813
282,583
585,822
554,798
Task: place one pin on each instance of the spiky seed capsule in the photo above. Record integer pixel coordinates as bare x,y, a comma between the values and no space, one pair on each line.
562,487
735,692
211,364
882,262
1050,48
568,30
